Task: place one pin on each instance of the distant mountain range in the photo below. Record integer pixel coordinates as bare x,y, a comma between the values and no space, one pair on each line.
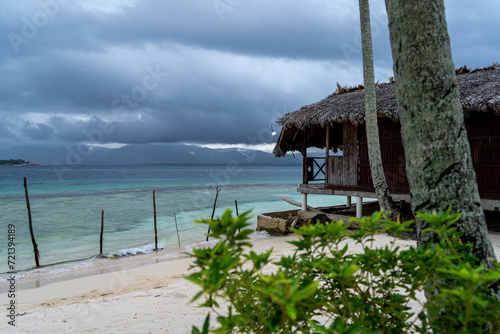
136,154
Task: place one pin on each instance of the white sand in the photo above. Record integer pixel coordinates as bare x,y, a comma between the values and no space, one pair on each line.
153,298
149,299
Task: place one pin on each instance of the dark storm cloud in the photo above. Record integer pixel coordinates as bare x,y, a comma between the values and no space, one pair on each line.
255,28
5,133
36,131
216,71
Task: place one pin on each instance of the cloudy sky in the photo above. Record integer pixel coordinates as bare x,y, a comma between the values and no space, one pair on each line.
114,72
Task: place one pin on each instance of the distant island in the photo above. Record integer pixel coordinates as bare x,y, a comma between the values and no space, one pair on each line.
146,154
16,162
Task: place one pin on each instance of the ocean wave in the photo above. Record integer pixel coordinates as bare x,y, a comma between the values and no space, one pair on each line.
70,268
54,269
149,248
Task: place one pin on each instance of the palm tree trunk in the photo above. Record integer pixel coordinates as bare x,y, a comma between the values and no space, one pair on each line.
375,157
438,159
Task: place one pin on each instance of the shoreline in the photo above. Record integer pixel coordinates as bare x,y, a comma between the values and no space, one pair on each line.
95,265
153,297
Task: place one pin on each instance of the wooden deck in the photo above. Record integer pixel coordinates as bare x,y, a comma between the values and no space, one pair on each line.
322,189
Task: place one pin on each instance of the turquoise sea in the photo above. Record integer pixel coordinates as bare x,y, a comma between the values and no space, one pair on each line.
66,208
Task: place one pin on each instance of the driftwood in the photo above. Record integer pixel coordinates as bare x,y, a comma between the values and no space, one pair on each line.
292,202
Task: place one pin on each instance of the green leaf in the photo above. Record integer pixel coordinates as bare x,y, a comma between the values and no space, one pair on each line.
306,292
206,325
291,310
492,275
198,295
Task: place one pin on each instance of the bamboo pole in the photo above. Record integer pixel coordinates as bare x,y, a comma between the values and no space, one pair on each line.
178,239
213,211
35,246
154,210
102,231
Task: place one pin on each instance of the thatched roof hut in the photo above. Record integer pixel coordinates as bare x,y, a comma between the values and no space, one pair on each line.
479,92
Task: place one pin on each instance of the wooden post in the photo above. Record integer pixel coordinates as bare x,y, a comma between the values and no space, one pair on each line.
359,207
304,202
236,205
305,173
327,154
33,241
348,202
154,212
102,231
178,239
213,211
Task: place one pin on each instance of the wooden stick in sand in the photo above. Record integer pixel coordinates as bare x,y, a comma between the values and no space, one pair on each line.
178,239
236,205
213,211
102,231
156,232
35,246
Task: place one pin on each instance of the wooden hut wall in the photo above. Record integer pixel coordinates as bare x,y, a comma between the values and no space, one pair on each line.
342,170
483,131
393,158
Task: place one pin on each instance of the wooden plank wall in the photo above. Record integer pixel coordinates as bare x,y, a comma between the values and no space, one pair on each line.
483,131
353,169
343,169
335,170
350,154
393,158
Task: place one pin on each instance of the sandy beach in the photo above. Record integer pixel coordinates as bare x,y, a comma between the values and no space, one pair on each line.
152,298
148,299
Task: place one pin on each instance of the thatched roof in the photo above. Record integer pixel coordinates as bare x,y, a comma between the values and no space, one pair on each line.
479,92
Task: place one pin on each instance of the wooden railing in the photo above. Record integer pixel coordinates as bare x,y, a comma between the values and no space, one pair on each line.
314,169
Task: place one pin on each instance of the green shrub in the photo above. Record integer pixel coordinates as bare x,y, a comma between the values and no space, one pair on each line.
322,288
